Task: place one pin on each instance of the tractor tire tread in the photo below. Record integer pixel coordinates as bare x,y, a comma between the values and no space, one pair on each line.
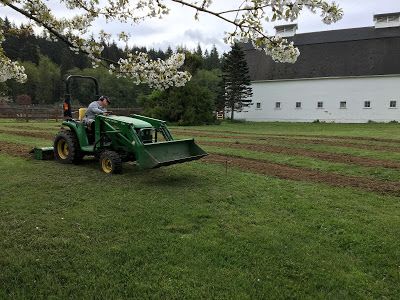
115,158
76,154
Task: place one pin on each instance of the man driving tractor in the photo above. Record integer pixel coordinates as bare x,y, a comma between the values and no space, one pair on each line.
95,108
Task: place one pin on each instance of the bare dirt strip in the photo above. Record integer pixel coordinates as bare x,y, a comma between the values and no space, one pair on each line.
329,137
23,126
36,134
14,149
300,174
332,157
313,141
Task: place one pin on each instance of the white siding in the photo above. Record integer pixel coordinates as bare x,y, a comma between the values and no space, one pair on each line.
379,90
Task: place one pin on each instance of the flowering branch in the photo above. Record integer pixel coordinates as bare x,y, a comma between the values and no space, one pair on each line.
247,20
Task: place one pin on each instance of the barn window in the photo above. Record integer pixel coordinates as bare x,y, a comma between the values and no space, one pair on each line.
343,104
320,104
258,105
393,104
298,104
381,19
367,104
277,105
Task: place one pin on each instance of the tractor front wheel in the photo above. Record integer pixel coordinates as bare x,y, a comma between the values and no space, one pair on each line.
110,162
66,147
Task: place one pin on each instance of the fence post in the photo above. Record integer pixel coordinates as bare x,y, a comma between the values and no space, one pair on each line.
26,113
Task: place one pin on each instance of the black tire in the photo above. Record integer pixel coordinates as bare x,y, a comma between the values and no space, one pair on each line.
110,162
66,148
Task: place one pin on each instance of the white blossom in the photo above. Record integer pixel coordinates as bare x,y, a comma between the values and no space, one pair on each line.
10,69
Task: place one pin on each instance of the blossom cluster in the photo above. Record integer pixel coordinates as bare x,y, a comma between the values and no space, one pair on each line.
160,74
10,69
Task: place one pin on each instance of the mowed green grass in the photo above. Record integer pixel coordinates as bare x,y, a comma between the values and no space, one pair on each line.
190,231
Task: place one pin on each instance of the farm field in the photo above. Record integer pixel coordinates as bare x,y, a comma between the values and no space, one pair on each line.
277,210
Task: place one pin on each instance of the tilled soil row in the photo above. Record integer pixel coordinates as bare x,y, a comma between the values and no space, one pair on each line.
329,137
44,135
32,126
337,158
295,141
15,149
266,168
340,158
300,174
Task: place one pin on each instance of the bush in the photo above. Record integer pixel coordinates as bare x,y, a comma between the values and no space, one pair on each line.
23,100
192,104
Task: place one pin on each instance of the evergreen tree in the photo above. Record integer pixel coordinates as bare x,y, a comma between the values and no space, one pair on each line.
212,60
236,78
199,51
169,52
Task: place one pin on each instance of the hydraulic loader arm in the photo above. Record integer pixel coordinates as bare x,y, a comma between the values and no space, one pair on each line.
160,125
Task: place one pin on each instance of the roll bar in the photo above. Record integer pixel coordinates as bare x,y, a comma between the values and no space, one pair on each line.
67,95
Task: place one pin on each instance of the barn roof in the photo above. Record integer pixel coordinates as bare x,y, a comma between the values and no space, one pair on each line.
347,52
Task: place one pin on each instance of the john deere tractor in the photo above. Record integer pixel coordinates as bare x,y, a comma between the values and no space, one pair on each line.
118,139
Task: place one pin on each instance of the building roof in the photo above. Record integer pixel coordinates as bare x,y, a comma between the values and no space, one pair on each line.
347,52
387,14
294,25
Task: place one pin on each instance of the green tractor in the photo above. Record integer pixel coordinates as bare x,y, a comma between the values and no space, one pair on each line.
118,139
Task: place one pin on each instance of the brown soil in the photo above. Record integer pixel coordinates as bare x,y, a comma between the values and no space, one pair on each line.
358,138
44,135
26,126
15,149
299,174
339,158
336,142
291,139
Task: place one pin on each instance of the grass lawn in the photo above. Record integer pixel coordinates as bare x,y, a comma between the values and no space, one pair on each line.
382,130
194,230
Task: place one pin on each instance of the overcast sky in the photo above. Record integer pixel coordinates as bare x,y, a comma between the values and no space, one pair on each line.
180,28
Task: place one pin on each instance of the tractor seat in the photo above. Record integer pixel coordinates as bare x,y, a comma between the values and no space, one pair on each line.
82,112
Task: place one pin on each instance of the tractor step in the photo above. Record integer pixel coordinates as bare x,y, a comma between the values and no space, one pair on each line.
43,153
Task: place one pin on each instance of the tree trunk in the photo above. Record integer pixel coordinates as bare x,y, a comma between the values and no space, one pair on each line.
232,111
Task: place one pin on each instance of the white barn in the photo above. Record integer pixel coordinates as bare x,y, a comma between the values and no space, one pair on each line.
349,76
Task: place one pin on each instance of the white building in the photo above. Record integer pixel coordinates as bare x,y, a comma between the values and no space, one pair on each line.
350,76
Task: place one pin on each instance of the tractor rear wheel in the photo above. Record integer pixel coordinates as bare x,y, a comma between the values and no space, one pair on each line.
66,148
110,162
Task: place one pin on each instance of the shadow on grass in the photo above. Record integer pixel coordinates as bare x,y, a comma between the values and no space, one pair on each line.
171,176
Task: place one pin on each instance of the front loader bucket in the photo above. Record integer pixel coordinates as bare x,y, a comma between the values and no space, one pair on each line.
168,153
